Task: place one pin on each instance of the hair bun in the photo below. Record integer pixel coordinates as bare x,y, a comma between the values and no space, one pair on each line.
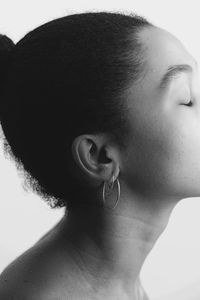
6,46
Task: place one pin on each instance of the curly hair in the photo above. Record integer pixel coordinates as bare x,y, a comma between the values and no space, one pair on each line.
63,79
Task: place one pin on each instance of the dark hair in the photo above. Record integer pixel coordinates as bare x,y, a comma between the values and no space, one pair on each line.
6,46
66,78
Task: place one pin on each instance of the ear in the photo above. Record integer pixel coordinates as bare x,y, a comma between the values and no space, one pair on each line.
98,159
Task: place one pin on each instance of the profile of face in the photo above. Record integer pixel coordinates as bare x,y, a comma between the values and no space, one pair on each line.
163,156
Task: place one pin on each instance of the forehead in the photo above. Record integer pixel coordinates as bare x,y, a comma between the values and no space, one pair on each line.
162,50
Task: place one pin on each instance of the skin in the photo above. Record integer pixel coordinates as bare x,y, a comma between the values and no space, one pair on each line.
98,253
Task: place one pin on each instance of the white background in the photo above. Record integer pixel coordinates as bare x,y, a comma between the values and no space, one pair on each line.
172,270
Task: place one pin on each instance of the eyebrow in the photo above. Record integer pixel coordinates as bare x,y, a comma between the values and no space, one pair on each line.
172,72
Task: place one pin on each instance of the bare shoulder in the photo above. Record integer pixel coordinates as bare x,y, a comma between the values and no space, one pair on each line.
42,272
17,281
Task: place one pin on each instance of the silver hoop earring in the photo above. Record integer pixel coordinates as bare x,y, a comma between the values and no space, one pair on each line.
110,186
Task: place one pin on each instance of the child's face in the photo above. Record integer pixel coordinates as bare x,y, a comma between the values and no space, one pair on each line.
163,157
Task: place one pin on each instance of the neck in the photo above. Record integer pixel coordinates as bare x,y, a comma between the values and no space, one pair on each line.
113,244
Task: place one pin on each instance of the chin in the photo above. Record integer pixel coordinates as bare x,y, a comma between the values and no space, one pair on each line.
191,192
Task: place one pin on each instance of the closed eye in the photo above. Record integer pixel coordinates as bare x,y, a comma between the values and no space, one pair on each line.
189,103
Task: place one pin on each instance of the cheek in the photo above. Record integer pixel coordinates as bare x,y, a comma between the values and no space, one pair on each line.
164,156
148,156
183,169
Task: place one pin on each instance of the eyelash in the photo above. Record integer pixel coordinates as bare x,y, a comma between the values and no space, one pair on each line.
189,103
